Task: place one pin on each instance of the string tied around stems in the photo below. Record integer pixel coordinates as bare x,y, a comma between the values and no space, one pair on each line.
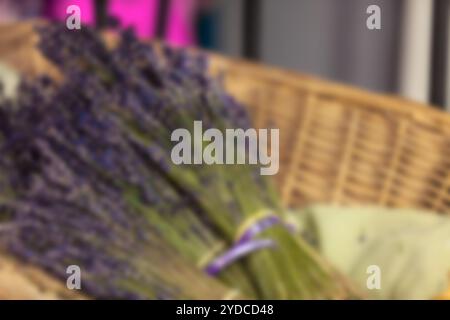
245,242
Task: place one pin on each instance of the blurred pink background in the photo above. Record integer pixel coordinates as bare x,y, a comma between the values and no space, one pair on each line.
142,15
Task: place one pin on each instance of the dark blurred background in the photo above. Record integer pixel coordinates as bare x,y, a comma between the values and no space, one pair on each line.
409,56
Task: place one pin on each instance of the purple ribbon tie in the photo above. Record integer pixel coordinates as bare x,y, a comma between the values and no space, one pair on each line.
245,244
235,252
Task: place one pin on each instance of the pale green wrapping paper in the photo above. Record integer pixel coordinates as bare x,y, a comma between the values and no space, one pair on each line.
410,247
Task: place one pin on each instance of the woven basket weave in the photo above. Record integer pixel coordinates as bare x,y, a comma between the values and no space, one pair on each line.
337,144
344,145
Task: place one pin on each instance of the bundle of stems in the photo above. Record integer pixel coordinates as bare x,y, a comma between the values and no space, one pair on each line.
55,217
64,158
110,125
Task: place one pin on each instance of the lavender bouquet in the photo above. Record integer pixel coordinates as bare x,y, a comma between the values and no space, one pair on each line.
88,179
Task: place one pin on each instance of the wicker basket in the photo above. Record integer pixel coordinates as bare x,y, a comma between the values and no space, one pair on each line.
344,145
337,144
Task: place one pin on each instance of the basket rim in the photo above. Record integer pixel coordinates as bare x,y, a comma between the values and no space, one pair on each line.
356,96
